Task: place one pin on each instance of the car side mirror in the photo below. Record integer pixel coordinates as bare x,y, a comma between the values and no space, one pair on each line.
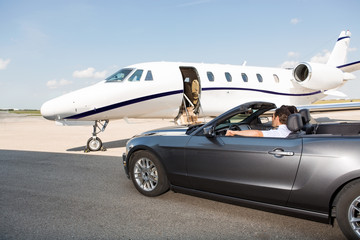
209,132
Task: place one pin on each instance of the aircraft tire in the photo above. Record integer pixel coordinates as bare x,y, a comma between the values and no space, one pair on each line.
94,144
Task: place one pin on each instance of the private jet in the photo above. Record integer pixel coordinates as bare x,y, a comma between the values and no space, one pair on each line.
186,91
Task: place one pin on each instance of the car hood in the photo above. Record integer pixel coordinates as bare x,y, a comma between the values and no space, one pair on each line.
166,131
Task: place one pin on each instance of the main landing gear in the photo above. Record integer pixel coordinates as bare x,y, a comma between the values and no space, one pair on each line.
94,143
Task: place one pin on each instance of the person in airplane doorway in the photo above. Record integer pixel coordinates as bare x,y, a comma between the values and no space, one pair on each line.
278,123
195,91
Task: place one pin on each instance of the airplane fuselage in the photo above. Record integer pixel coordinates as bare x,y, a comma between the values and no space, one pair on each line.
221,87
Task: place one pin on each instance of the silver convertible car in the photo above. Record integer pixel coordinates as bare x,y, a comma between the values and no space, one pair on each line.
314,173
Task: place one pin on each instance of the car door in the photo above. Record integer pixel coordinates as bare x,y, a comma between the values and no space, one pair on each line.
261,169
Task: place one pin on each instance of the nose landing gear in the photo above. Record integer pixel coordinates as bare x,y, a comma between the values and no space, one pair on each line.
94,143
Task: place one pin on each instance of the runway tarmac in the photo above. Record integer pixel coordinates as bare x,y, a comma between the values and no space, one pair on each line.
51,189
34,133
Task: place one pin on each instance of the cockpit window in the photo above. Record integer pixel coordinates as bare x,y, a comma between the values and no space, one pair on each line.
136,75
120,75
149,76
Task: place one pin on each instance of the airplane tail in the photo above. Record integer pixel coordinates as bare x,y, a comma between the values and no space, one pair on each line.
338,56
339,53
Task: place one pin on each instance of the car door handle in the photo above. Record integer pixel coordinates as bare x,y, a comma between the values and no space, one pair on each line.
278,152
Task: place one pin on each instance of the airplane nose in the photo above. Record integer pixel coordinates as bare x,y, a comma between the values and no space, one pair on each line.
47,111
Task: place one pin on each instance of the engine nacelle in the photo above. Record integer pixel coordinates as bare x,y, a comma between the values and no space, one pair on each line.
318,76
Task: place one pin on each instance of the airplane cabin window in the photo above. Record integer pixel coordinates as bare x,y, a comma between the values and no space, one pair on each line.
149,76
136,75
244,77
276,78
120,75
228,77
259,77
210,76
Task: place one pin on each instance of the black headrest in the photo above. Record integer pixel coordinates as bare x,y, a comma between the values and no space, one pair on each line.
294,122
305,115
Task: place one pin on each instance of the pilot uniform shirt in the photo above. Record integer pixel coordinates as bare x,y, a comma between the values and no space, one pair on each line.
281,132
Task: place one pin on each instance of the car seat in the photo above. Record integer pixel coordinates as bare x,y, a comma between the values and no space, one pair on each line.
295,124
308,128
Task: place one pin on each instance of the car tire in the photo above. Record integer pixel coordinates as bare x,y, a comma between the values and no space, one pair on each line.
348,210
147,174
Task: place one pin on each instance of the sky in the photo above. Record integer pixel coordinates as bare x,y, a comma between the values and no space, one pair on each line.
52,47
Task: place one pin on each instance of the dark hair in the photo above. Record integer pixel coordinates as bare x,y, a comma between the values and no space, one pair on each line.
283,113
291,108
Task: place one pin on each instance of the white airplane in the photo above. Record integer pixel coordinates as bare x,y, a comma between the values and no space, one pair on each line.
185,91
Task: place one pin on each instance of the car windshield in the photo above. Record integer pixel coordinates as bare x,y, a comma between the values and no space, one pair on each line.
237,118
120,75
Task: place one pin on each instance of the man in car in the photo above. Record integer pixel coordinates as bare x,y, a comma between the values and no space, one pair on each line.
279,124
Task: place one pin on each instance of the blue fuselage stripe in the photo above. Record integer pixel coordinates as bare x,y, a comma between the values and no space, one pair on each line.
165,94
339,39
264,91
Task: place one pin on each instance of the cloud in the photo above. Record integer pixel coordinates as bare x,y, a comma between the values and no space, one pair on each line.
295,21
322,57
4,63
89,73
101,75
52,84
289,64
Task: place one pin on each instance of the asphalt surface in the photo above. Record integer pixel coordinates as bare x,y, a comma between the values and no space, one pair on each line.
46,195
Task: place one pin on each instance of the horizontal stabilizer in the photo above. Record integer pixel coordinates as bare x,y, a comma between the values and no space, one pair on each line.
350,67
336,93
344,106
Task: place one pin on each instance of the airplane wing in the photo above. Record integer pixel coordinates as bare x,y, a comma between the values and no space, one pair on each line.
65,122
350,67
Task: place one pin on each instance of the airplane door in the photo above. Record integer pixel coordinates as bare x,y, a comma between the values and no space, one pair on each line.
190,106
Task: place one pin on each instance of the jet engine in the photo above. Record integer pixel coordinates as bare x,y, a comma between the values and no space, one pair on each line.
318,76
